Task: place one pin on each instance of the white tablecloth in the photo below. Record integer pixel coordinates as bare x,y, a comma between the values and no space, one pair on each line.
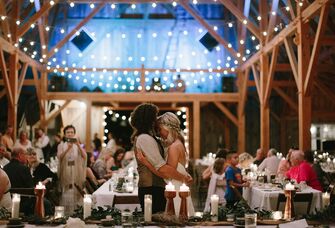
102,197
258,197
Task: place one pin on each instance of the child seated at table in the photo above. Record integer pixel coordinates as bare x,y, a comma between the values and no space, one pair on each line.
217,184
235,183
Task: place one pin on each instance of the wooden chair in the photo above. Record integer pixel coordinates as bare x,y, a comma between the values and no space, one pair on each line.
298,198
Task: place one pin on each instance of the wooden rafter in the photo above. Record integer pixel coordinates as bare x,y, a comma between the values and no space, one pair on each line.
21,79
75,29
55,113
292,58
2,93
37,16
4,24
243,90
256,78
288,30
286,98
243,30
227,112
209,28
5,77
313,63
271,74
289,4
38,91
41,29
144,97
239,15
272,20
9,48
325,90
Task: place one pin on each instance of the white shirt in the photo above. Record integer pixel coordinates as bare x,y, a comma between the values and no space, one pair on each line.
271,164
3,161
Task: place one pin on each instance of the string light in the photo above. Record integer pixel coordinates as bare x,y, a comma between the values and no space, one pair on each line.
174,4
113,6
71,4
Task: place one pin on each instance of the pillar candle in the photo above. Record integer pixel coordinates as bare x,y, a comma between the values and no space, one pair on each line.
87,205
214,205
16,205
147,208
170,187
325,199
289,186
184,188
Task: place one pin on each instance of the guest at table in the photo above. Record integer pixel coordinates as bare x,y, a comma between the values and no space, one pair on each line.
42,145
3,160
72,169
284,164
111,145
5,199
302,171
100,165
115,162
309,157
91,176
7,139
245,159
235,183
217,184
270,163
259,156
23,141
207,173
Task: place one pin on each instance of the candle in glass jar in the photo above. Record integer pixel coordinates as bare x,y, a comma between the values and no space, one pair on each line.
289,186
184,188
214,206
277,215
170,187
16,205
59,212
325,199
87,205
147,208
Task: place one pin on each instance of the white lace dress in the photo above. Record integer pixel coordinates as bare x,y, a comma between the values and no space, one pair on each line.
190,208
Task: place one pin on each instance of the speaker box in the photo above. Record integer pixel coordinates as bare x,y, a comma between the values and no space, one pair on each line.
228,84
82,41
208,41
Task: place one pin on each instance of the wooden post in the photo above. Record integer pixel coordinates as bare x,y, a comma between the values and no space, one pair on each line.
196,129
142,79
88,125
243,92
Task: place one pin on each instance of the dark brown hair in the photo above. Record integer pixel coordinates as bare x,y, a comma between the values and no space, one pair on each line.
218,165
143,119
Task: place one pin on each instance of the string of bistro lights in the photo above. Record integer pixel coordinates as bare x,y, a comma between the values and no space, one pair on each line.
31,48
181,113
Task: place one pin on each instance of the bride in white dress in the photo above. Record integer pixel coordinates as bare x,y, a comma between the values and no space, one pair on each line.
175,154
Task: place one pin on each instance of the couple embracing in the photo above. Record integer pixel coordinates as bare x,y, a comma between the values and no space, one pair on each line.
159,161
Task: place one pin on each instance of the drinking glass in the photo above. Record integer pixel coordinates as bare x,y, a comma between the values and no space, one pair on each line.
250,220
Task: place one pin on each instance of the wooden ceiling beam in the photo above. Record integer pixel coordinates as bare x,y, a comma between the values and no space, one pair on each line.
288,30
9,48
325,90
273,19
292,58
37,16
75,29
143,97
210,29
5,76
5,23
21,79
227,112
313,62
239,15
286,98
256,78
3,93
271,75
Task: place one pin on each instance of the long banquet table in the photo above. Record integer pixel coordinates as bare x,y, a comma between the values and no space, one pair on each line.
267,198
103,197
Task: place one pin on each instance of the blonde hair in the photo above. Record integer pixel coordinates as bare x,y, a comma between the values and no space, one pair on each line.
171,123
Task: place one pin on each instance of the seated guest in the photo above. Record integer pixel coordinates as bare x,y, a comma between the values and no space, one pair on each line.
7,139
3,160
39,171
5,199
19,176
245,159
207,173
284,164
91,176
235,183
115,162
302,171
309,157
217,184
23,141
270,163
259,156
100,165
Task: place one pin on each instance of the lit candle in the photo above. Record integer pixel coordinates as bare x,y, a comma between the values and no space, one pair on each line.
147,208
40,185
214,207
184,188
315,152
277,215
325,199
289,186
16,205
170,187
59,212
334,160
198,214
329,160
87,205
